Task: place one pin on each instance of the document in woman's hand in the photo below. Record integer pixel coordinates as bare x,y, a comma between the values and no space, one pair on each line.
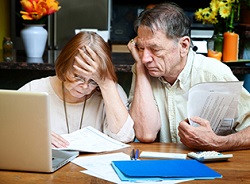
89,139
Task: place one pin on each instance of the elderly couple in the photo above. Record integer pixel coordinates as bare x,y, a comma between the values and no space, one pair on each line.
84,91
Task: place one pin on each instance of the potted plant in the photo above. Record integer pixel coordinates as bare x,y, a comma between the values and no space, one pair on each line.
224,15
35,13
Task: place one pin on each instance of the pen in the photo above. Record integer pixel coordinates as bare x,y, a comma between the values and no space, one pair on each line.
132,154
136,154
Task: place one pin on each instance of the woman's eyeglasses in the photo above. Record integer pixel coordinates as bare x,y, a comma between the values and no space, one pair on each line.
89,82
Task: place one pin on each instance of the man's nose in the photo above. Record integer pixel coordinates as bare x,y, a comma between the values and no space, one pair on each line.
146,56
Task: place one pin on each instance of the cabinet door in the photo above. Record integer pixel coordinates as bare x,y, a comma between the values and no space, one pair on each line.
77,14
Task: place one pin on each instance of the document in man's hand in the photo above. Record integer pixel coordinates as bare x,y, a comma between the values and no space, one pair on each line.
152,170
217,102
89,139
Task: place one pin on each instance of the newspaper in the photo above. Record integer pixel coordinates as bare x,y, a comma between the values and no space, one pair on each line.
217,102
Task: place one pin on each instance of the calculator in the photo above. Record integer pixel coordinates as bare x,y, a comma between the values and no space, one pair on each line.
209,156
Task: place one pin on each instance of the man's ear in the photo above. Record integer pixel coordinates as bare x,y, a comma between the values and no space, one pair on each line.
185,45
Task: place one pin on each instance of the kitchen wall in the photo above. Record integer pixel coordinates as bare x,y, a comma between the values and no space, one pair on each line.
123,13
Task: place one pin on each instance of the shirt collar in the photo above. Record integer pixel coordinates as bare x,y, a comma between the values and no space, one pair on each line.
184,75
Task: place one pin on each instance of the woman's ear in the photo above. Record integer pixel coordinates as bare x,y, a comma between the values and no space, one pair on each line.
185,45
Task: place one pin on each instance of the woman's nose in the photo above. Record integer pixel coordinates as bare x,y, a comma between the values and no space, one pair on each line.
84,84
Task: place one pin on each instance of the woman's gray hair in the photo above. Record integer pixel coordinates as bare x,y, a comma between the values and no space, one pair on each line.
167,17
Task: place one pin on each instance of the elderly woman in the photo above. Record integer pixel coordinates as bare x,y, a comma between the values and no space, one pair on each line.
84,91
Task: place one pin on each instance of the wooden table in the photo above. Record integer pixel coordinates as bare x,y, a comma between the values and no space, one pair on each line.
236,170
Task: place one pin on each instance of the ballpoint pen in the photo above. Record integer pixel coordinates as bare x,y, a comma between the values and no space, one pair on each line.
137,154
134,155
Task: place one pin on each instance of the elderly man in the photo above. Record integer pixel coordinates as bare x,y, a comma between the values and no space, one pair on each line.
166,68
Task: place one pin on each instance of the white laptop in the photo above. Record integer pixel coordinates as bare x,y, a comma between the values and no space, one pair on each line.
25,137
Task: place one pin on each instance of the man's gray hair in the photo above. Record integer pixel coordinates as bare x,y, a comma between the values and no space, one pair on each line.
166,17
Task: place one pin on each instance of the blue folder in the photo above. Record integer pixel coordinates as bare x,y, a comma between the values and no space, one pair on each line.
162,170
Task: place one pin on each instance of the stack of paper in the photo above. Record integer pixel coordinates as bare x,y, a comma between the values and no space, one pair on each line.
158,170
100,166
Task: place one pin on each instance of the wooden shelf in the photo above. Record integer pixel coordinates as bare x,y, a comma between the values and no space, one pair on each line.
116,48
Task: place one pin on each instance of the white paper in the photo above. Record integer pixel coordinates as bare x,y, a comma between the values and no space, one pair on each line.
100,166
162,155
89,139
215,101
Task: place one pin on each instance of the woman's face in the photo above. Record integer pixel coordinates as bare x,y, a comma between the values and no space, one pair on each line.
78,86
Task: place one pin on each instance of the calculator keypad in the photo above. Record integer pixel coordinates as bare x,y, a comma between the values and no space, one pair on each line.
204,156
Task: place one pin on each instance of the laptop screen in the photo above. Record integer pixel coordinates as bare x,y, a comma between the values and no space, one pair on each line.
25,131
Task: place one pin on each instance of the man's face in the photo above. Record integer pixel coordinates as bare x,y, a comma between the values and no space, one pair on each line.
160,55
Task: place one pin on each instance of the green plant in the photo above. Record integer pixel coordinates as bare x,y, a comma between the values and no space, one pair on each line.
222,13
